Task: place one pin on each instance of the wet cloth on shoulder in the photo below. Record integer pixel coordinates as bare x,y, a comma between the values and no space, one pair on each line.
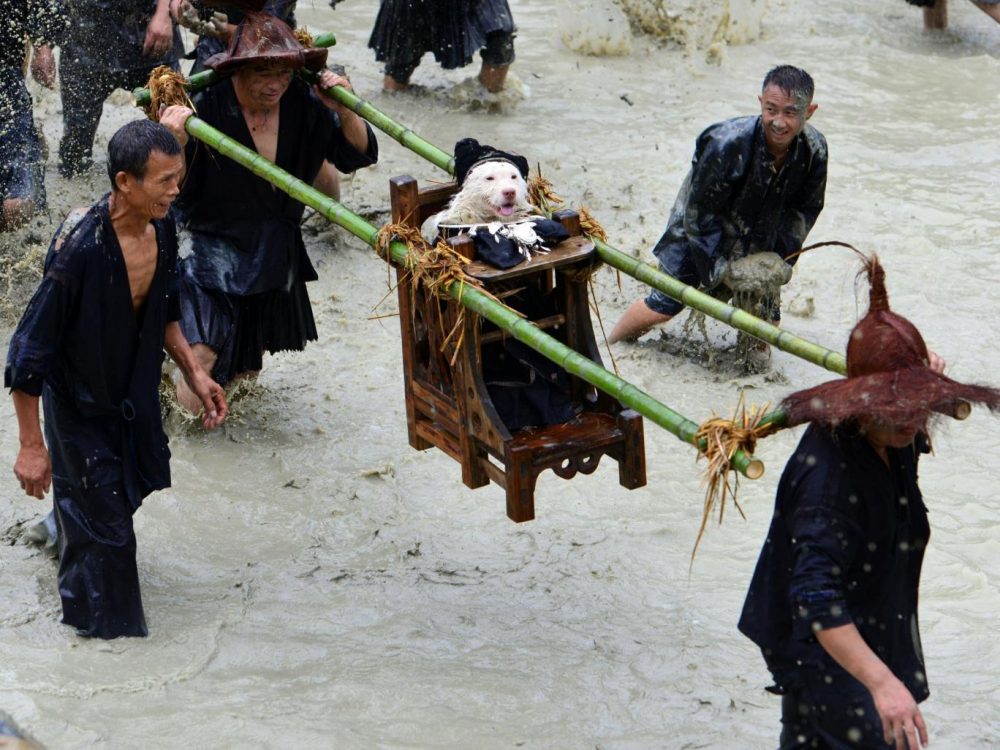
734,202
846,544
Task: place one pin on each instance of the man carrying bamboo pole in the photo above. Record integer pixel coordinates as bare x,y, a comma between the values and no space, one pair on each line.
215,31
90,344
756,184
244,268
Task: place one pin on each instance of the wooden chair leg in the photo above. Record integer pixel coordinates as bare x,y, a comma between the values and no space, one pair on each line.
473,457
520,485
632,461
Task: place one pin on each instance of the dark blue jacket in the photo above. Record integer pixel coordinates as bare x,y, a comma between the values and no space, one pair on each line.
734,203
846,544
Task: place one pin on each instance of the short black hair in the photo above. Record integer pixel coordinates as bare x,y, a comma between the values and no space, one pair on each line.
129,148
793,81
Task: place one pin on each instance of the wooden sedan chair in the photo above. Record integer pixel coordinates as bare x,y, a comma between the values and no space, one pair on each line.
449,407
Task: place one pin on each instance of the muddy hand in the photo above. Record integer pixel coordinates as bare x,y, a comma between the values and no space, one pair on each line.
33,470
213,398
327,80
187,16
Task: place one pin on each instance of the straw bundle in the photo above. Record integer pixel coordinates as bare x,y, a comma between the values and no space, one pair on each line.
166,87
303,37
434,269
719,440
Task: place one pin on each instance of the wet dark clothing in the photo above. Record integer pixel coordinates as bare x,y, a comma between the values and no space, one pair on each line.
208,45
96,364
21,170
243,275
733,203
453,30
102,52
846,544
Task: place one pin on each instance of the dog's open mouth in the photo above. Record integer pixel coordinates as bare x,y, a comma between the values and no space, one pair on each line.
506,209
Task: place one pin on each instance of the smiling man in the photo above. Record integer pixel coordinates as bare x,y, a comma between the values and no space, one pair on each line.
90,347
756,185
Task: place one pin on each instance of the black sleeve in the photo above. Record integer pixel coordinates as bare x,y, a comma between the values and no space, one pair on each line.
826,539
344,156
709,194
42,327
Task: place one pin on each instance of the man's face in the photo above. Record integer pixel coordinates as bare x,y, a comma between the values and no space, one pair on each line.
264,85
153,193
783,117
885,435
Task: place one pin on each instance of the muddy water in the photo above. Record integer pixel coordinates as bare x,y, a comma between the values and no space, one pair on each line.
310,581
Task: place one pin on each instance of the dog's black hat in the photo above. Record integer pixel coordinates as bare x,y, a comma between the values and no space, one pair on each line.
469,152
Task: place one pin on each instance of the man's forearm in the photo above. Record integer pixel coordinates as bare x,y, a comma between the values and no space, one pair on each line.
28,423
355,130
179,349
845,644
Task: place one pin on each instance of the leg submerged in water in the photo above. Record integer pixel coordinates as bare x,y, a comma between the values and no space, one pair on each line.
98,577
637,320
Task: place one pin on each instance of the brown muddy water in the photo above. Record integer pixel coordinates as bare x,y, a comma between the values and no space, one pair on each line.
312,582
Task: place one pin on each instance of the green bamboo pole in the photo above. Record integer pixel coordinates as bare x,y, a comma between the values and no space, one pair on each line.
735,317
705,303
499,314
209,77
387,125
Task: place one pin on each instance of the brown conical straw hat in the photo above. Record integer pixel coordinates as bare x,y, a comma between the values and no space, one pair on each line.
263,38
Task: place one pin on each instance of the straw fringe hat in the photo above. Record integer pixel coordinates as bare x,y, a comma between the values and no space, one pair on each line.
889,378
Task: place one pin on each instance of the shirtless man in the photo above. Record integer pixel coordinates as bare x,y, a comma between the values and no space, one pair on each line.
90,344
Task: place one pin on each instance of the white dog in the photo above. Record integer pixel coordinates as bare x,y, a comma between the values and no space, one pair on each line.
493,191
